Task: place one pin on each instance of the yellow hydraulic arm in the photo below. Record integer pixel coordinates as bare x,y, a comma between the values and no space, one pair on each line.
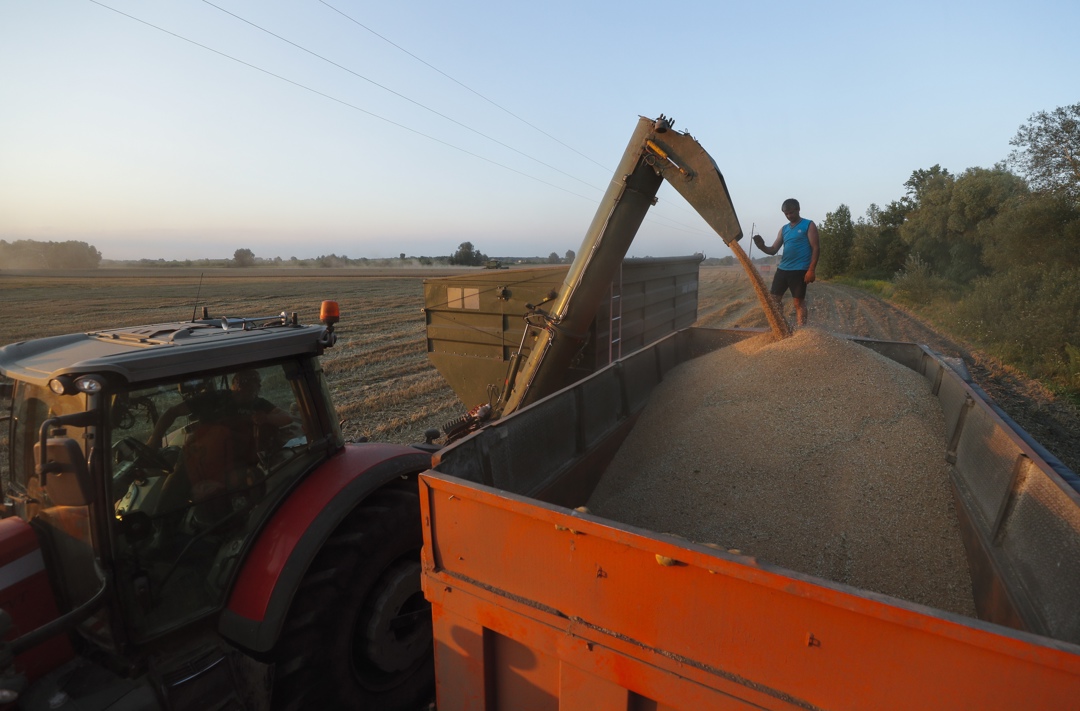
656,152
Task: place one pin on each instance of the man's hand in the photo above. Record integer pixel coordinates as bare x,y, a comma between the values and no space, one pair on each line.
759,242
809,278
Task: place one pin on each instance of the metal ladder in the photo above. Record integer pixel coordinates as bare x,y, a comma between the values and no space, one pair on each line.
615,321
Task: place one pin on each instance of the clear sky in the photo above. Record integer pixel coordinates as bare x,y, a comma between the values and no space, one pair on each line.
374,128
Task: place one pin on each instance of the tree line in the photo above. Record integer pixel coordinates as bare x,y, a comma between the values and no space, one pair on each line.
468,255
31,254
34,255
991,254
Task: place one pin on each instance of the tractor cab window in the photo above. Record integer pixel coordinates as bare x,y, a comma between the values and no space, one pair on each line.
196,466
31,406
65,531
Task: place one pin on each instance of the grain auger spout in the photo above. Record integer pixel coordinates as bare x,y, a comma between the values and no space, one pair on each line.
656,152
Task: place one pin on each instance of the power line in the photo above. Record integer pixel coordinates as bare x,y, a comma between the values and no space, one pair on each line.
398,94
340,101
496,105
372,114
673,223
464,86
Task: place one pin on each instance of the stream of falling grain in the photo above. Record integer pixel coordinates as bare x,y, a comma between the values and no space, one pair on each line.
776,319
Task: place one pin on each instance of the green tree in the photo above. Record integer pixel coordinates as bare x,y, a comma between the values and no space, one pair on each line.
837,235
1038,229
877,251
980,194
553,258
468,255
243,258
917,285
943,226
926,226
570,256
922,182
1048,150
1028,316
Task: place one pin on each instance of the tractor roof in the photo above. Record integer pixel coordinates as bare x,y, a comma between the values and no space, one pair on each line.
143,353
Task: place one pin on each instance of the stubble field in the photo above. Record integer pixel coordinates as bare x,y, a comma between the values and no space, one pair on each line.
385,388
382,383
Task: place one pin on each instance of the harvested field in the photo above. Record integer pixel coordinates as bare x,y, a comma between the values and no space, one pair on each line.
811,453
382,383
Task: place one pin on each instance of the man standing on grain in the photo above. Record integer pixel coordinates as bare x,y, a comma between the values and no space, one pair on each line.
799,238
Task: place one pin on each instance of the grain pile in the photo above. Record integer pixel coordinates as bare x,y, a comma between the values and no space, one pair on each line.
812,453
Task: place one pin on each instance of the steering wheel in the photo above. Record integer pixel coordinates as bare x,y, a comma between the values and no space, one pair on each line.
123,411
143,453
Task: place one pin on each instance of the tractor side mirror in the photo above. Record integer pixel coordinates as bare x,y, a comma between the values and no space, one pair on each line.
63,472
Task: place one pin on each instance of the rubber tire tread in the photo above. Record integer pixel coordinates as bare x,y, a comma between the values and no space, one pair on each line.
312,657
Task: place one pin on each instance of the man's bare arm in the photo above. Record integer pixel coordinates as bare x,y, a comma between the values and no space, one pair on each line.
775,246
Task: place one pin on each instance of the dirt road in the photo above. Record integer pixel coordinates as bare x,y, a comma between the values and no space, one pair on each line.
726,300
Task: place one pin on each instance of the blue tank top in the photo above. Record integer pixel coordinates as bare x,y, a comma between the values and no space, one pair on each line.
797,250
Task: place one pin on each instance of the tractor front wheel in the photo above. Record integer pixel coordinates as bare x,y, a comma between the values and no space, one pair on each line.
358,634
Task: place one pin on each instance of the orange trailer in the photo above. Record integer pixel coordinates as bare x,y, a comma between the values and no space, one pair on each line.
538,606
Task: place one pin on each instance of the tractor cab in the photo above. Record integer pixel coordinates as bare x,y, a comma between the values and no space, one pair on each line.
133,468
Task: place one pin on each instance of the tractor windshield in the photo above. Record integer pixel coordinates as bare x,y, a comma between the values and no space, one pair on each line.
195,467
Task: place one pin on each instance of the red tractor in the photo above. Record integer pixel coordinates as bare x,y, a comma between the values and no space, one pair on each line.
186,528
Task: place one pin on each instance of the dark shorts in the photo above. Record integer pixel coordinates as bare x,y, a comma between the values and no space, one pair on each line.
784,280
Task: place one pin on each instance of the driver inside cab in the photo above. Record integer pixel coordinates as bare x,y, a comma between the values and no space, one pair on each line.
221,450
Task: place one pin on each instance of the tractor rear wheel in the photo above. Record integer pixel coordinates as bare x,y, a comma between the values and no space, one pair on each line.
358,635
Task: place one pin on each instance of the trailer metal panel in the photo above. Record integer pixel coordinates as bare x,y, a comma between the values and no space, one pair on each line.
526,596
475,321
